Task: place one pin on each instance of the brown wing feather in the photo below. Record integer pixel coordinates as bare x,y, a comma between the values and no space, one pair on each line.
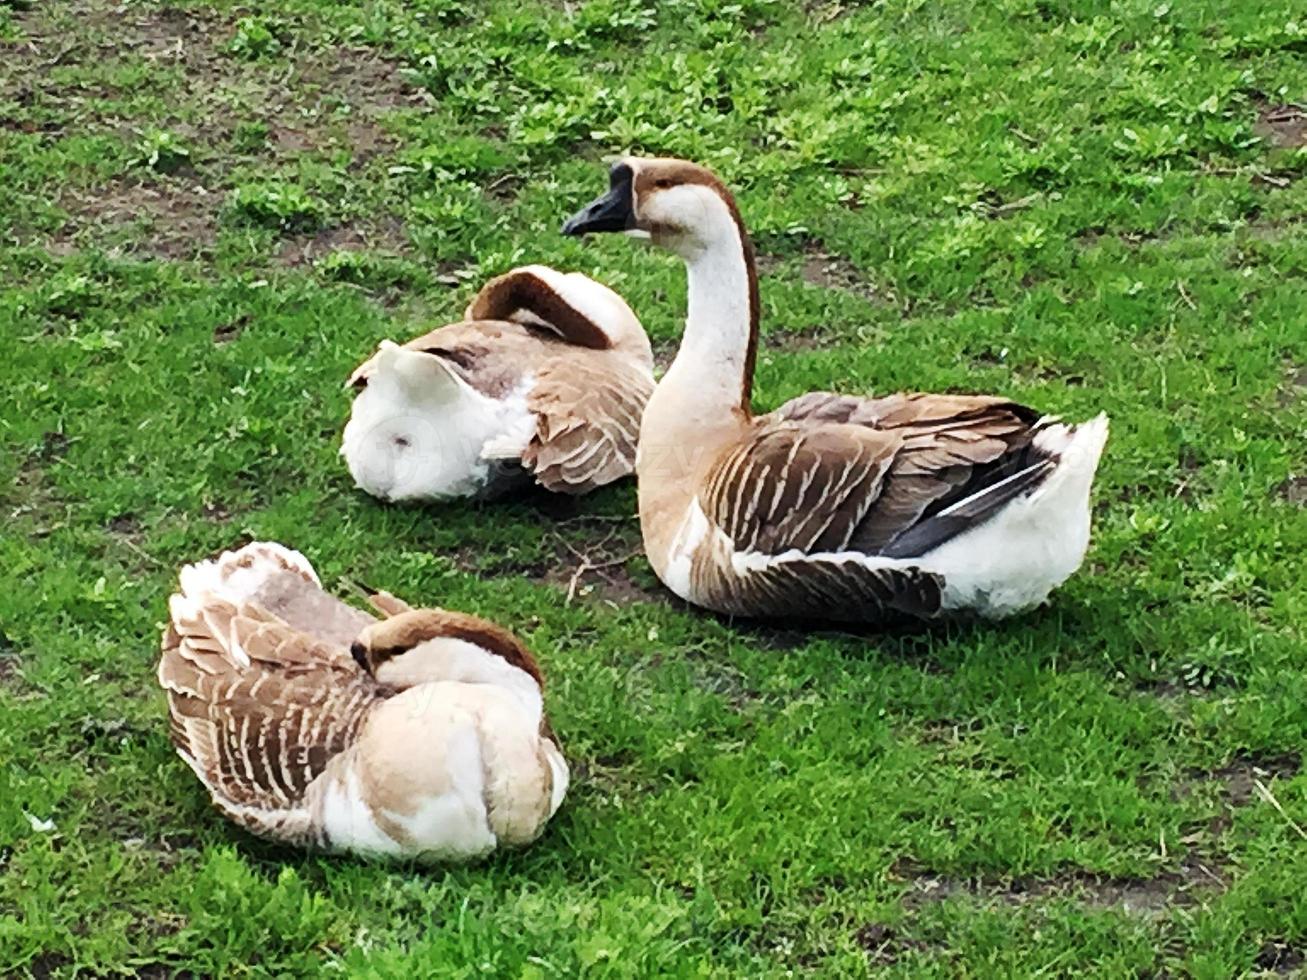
951,447
490,355
834,474
588,414
825,590
794,486
303,605
258,709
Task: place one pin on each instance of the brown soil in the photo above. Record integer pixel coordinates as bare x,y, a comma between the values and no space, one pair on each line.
1240,774
9,660
820,268
383,236
171,219
1294,490
884,944
310,101
592,558
1295,381
1281,958
1282,125
229,330
599,564
1186,885
813,337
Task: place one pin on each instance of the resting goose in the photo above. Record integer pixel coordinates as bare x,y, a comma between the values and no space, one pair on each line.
420,736
832,507
545,378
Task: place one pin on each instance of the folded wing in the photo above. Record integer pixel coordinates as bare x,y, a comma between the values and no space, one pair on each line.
258,709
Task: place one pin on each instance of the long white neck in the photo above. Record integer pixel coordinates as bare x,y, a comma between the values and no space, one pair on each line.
448,659
714,365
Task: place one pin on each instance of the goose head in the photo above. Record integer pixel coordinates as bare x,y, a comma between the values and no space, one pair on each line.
421,646
681,206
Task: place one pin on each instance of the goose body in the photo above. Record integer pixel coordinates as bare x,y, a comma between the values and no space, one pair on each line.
419,736
832,507
545,378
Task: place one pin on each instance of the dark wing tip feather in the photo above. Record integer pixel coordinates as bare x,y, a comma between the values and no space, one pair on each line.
940,528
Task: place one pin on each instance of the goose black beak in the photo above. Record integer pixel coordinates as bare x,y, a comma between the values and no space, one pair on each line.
360,654
614,211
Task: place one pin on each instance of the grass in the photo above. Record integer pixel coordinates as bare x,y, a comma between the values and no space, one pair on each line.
211,216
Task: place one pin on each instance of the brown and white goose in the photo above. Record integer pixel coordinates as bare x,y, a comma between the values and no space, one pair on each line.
545,378
832,507
421,735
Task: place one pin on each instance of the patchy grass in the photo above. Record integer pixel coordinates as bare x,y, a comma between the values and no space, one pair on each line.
211,215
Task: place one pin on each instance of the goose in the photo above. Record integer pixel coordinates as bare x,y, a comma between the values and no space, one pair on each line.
545,378
421,735
832,507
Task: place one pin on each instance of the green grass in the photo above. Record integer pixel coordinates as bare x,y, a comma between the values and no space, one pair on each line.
210,216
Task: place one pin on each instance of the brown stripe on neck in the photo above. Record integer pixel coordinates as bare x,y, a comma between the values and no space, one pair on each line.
401,633
515,291
653,172
494,639
751,268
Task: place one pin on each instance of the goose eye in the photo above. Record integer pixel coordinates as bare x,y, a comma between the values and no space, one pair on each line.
662,183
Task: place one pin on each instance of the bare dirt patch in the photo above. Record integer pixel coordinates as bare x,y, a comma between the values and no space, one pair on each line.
33,498
1282,958
885,945
821,268
1283,126
175,219
9,660
229,330
1241,775
664,352
1294,490
1295,381
1187,885
227,111
386,235
601,563
812,337
588,557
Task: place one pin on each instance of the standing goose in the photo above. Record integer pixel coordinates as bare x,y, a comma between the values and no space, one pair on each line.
545,378
832,507
310,722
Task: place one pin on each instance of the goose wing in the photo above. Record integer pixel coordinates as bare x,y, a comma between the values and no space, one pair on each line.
280,582
258,709
587,413
828,491
960,459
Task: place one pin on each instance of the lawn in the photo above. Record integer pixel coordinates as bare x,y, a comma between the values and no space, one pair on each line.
210,214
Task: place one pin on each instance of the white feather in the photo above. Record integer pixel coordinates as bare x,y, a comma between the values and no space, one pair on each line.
345,817
419,432
680,556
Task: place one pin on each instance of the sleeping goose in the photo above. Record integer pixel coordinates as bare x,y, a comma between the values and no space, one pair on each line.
545,378
832,507
421,735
